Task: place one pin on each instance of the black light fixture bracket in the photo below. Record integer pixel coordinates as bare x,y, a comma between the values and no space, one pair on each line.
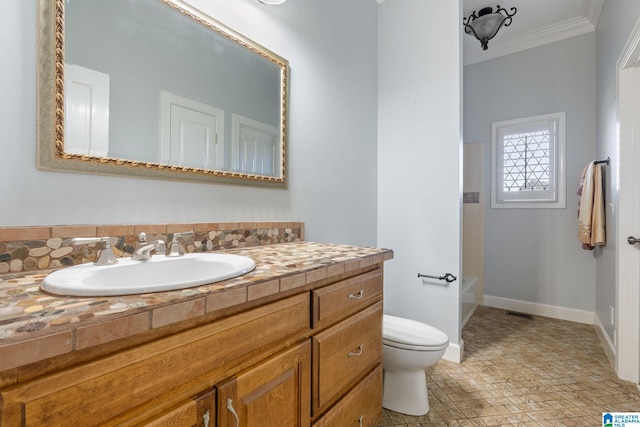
485,24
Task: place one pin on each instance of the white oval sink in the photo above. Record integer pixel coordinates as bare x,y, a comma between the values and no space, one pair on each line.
160,273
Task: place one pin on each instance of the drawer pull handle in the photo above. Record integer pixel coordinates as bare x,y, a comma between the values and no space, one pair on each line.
233,411
206,418
359,295
358,352
360,420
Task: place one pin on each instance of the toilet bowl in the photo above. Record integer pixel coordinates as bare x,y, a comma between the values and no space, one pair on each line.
409,347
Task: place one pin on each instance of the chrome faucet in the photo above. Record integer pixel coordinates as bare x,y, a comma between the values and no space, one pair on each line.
143,250
176,247
105,255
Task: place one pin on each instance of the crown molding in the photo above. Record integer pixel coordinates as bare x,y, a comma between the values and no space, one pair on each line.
584,24
631,53
592,10
550,34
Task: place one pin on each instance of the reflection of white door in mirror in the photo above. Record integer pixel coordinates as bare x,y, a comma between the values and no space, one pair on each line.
255,147
86,106
192,133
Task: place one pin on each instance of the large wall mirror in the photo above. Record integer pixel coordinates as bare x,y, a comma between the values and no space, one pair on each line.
157,89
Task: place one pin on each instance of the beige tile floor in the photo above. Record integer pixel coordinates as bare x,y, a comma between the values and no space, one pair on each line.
524,372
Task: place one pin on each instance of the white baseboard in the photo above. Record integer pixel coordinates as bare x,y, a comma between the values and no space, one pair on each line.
608,346
454,352
553,311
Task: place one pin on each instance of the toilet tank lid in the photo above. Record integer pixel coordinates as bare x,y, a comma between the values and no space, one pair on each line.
407,331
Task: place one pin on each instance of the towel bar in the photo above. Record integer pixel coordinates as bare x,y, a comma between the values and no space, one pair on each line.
597,162
448,277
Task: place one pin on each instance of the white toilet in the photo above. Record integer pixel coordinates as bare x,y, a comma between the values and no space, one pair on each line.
409,347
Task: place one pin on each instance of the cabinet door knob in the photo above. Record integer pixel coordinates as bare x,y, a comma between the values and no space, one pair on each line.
632,240
233,411
357,352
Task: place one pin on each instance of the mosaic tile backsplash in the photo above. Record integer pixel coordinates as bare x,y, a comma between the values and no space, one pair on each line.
24,249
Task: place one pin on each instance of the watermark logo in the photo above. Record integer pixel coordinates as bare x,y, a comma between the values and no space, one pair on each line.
621,419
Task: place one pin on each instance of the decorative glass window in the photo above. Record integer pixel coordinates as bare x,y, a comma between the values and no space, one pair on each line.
527,162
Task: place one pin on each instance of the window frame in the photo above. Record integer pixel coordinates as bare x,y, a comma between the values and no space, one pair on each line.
555,196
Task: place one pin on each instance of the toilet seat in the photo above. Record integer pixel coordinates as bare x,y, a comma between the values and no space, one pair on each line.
409,334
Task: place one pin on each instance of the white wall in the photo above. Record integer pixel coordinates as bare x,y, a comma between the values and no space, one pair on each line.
419,158
616,22
533,255
332,49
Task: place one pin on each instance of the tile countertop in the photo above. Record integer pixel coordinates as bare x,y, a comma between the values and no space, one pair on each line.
35,325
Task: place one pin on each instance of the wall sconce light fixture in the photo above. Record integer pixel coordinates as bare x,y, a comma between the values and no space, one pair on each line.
485,25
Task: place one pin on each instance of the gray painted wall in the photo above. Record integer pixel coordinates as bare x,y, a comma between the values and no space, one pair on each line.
534,255
332,134
615,25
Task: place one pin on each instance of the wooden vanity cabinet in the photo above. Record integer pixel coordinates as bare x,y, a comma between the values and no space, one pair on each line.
134,385
313,358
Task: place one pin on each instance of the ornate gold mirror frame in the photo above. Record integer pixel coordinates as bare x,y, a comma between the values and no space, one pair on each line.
51,153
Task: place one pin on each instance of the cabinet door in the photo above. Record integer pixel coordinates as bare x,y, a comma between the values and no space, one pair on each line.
206,409
181,416
197,412
273,393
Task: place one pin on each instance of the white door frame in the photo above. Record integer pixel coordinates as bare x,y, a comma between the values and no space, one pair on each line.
628,212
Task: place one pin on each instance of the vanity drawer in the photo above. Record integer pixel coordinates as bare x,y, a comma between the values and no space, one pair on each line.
344,354
335,302
362,407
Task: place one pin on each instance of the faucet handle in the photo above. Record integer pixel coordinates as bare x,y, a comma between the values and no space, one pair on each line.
105,241
105,255
160,246
141,249
176,247
182,234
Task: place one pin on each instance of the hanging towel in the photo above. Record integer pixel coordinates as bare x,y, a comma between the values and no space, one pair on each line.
591,219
